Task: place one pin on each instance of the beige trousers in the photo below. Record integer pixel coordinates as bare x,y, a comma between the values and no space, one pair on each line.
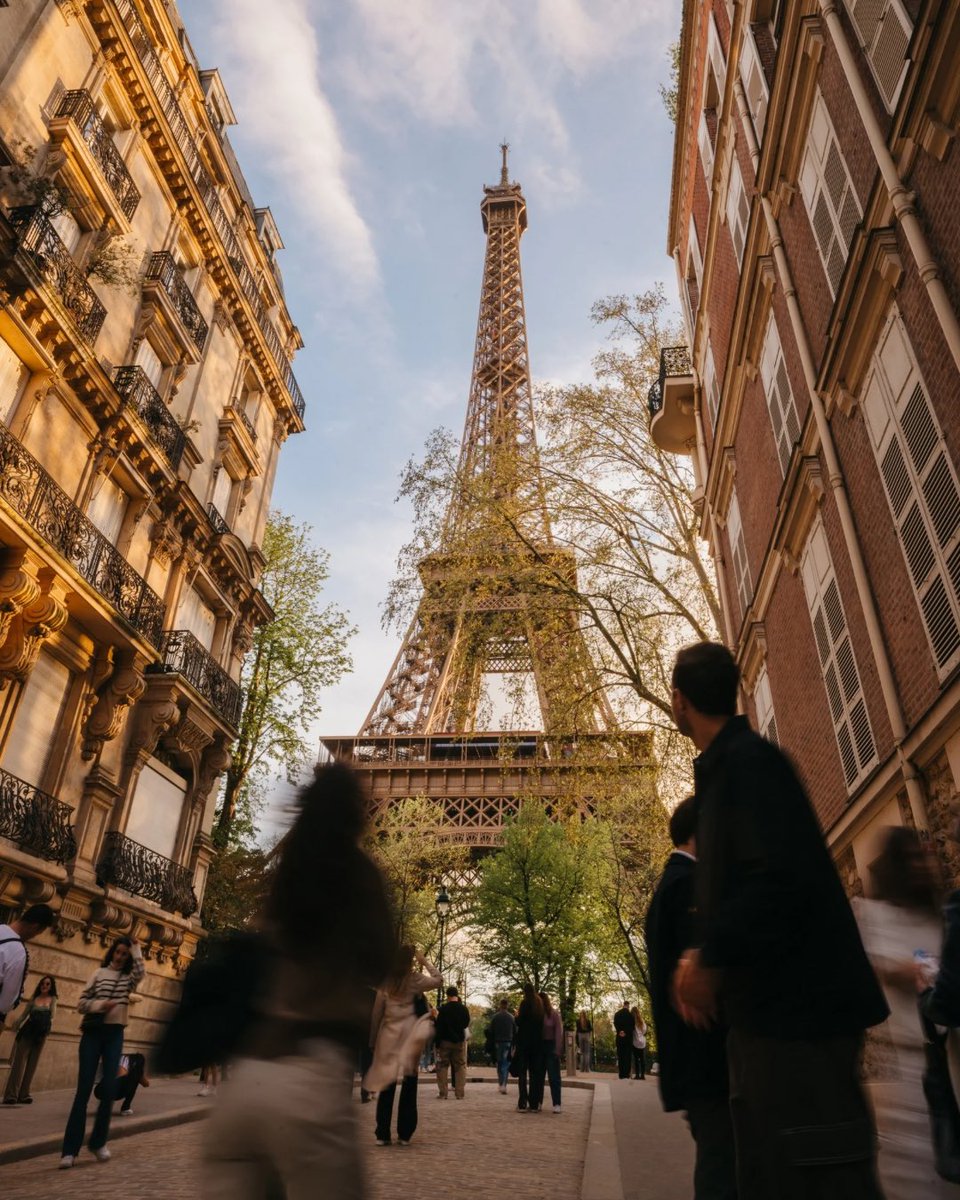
454,1056
286,1128
26,1055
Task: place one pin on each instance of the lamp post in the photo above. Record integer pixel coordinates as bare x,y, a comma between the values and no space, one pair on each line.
442,904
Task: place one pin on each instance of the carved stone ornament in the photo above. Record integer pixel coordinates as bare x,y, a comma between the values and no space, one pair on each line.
166,542
216,758
123,687
155,713
37,620
242,639
17,589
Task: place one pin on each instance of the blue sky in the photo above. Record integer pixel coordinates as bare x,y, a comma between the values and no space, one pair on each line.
369,128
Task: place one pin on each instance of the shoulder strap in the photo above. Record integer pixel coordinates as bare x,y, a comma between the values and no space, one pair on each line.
3,941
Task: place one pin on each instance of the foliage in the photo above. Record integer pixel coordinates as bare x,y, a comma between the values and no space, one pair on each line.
27,185
236,887
116,262
669,92
294,657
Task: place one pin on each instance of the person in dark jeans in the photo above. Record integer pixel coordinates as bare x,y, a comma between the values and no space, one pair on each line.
502,1027
623,1023
528,1048
450,1027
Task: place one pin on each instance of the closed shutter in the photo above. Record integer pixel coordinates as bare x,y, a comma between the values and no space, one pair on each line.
841,676
197,616
156,808
738,210
831,202
717,60
711,385
221,492
754,83
884,30
921,486
780,401
66,226
107,508
694,273
13,375
763,699
37,720
148,359
706,149
738,550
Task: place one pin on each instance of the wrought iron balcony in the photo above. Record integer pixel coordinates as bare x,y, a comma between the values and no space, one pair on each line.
163,268
47,508
247,424
183,653
134,386
41,243
142,872
37,822
674,360
79,106
143,46
670,402
216,520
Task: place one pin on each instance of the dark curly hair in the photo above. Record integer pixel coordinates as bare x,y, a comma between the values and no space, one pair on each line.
128,965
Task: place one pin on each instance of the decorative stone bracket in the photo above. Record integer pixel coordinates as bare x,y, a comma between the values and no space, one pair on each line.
123,686
41,612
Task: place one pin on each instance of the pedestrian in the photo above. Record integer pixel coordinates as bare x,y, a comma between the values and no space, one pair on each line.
528,1048
209,1080
103,1006
284,1123
692,1070
131,1075
33,1028
552,1051
778,948
502,1027
585,1041
400,1033
623,1024
453,1021
899,924
14,960
639,1043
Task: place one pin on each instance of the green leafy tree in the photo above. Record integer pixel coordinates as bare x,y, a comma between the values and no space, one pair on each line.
670,91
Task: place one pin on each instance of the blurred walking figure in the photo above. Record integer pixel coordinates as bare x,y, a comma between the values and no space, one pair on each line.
209,1080
639,1043
585,1041
32,1029
284,1122
400,1033
552,1052
692,1062
451,1031
900,924
103,1004
528,1049
777,949
623,1023
14,959
502,1026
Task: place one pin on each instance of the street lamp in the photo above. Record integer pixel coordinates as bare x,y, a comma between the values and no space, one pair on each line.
442,904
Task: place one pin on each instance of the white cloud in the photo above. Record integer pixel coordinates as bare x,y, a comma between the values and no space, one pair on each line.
272,69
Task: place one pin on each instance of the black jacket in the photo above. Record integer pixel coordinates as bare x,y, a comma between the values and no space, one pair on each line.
623,1019
692,1064
453,1017
941,1003
772,912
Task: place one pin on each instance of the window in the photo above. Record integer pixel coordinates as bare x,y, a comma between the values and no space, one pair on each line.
848,709
763,700
718,63
884,29
754,83
156,808
780,402
37,720
738,209
13,375
832,204
711,385
694,274
149,360
705,141
197,616
68,229
107,508
738,551
222,491
920,483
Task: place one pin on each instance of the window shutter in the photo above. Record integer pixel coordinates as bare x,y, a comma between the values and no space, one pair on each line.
107,508
156,808
706,149
763,699
13,375
754,83
711,385
738,551
717,60
921,487
738,210
148,359
884,28
831,202
841,678
779,394
197,617
37,720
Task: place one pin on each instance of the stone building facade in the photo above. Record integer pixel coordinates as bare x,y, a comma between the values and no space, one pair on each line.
145,394
814,228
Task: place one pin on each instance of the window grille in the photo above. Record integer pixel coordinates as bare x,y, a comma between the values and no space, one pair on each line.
832,204
883,28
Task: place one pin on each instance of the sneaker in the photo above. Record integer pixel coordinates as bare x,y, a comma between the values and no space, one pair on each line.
503,1089
6,1101
403,1141
66,1161
126,1112
383,1141
26,1099
102,1155
441,1095
556,1108
205,1091
144,1081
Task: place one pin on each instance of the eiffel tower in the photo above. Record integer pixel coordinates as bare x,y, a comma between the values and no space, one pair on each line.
496,601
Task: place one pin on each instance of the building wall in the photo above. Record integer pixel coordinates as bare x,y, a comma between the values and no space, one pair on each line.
119,726
801,51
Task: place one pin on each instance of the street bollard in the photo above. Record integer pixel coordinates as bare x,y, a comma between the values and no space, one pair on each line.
571,1053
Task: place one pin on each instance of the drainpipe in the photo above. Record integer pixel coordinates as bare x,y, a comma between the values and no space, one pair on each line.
838,487
901,198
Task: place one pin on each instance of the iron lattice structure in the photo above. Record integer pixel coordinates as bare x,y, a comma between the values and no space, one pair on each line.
497,600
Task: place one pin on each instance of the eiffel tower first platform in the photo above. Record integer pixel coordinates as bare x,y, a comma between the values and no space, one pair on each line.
496,601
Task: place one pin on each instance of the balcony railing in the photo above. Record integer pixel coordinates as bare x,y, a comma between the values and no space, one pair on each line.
41,243
216,520
43,504
37,822
134,386
79,106
247,424
183,653
143,46
163,268
674,360
142,872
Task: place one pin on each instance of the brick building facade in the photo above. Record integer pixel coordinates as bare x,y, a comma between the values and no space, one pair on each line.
814,227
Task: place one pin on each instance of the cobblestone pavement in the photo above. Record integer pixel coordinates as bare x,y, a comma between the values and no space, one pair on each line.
478,1147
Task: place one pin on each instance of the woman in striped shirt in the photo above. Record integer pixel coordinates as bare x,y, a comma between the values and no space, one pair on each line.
103,1004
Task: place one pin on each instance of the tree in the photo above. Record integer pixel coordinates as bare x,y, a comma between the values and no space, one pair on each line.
294,657
670,92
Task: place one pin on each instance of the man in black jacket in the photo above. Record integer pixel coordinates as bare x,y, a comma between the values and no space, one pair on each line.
623,1023
450,1034
692,1062
778,951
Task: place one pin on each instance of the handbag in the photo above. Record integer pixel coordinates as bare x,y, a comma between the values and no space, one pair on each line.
942,1104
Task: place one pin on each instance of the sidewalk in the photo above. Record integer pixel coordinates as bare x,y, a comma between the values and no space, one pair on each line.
29,1130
